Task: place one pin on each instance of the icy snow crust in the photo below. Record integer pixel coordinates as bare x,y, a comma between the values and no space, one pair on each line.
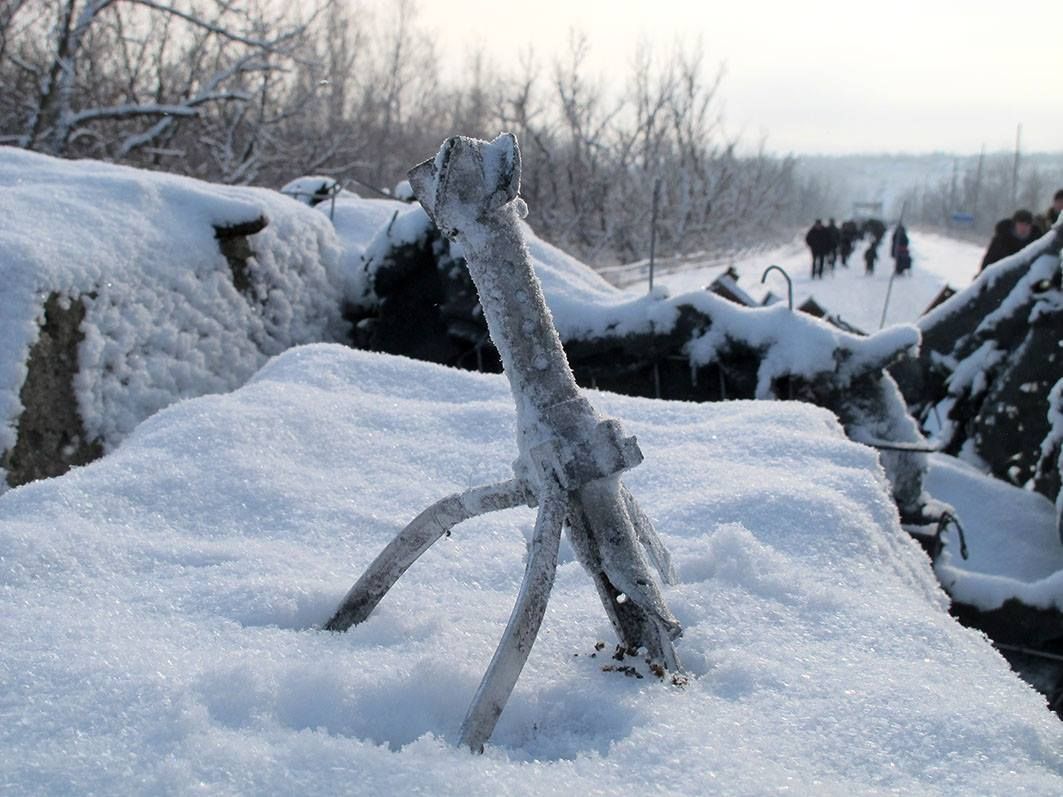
160,609
163,319
583,304
1015,550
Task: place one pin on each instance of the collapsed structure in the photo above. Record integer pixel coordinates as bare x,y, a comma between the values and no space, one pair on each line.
126,291
989,373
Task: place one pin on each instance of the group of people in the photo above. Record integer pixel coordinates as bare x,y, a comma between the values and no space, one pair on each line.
1011,235
830,244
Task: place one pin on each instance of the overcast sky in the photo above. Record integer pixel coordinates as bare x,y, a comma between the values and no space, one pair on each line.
820,76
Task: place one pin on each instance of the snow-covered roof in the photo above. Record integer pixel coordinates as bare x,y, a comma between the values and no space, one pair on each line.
163,317
160,608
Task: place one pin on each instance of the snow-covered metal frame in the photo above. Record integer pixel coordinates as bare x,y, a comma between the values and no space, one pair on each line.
570,457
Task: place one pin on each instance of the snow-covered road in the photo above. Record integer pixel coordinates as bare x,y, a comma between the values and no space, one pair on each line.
858,299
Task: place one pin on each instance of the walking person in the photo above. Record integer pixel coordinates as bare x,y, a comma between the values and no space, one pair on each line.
834,238
1009,236
848,243
818,240
870,256
902,259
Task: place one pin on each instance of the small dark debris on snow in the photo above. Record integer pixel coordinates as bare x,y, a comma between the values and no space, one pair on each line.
630,672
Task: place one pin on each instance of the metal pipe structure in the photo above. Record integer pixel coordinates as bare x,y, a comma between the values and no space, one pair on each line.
570,457
789,283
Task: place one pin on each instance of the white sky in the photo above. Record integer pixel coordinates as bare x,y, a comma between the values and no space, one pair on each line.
820,76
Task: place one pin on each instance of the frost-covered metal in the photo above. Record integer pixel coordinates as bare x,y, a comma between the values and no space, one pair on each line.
570,457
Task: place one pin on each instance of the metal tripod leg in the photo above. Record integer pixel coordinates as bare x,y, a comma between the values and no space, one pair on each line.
414,540
524,622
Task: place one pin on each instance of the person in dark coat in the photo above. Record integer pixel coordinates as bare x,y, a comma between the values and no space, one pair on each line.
902,258
818,240
849,236
870,256
834,239
1009,237
1049,218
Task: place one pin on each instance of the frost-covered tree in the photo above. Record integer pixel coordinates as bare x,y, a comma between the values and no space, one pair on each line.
260,93
124,79
990,187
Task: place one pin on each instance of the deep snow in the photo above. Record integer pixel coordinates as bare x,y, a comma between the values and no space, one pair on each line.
164,319
160,605
164,602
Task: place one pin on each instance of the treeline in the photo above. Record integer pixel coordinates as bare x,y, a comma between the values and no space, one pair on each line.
255,93
982,190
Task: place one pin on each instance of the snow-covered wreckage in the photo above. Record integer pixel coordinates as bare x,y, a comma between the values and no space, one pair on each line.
126,290
990,369
826,619
414,297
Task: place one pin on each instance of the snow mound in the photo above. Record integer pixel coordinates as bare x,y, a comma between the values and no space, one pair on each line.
357,222
582,303
165,315
161,607
1014,547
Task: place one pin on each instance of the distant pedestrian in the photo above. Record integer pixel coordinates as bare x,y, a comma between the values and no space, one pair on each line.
870,256
1009,237
818,240
834,238
849,235
1052,214
902,259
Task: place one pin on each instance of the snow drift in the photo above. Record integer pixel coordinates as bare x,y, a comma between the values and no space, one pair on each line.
162,286
166,600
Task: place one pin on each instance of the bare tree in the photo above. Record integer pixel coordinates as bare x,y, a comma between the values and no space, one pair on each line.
116,78
246,93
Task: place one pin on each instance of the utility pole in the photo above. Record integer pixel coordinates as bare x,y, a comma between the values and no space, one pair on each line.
653,226
952,191
977,184
1015,169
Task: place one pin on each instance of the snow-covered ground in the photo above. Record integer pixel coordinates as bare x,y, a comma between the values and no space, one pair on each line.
163,317
160,607
1015,550
858,299
160,610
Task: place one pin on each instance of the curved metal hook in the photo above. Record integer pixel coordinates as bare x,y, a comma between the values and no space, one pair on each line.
789,283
